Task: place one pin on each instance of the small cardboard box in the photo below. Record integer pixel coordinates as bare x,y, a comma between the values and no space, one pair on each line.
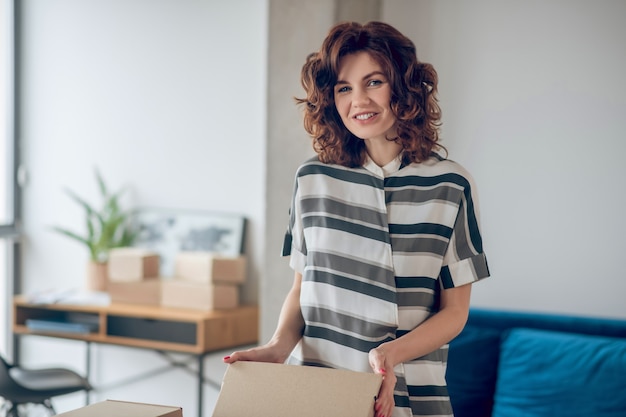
132,264
209,267
111,408
198,296
275,390
146,292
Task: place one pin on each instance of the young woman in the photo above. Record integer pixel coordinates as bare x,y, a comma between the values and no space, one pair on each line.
384,232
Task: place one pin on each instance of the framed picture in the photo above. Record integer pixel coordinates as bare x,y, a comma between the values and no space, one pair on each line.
168,231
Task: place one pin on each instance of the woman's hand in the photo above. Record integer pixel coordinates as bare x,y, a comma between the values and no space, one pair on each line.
266,353
381,364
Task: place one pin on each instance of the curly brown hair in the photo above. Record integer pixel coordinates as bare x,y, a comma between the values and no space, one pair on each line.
413,97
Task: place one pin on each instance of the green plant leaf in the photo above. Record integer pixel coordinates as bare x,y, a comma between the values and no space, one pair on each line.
101,184
80,201
107,228
79,238
71,234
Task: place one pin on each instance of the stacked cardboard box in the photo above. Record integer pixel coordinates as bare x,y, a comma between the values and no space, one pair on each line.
134,276
124,408
204,281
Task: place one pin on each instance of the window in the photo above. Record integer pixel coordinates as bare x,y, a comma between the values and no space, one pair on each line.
4,295
8,157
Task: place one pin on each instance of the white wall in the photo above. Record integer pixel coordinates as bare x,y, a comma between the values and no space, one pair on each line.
165,96
534,98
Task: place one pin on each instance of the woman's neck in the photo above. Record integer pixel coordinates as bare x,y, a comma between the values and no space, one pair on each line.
382,152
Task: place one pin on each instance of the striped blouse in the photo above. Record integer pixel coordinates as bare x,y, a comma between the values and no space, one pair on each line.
375,247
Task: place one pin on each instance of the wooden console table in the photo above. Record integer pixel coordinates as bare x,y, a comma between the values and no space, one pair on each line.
151,327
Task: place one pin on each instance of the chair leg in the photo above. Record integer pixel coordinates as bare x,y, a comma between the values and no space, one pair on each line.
48,404
13,411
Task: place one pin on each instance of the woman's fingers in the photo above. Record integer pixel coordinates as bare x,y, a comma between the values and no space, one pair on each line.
385,403
256,354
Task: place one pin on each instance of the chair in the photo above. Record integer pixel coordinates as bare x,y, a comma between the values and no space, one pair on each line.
37,386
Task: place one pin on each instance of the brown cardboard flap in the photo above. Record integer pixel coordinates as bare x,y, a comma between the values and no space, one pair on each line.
275,390
110,408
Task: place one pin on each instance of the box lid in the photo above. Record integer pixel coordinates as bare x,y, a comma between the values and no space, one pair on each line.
110,408
277,390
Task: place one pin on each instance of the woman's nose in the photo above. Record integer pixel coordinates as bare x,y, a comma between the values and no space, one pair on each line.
360,97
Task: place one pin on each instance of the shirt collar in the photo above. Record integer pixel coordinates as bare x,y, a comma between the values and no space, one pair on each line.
385,171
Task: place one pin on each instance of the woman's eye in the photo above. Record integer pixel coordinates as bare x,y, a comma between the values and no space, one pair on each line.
343,89
372,83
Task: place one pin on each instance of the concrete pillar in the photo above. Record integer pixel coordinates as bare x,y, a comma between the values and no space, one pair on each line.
296,28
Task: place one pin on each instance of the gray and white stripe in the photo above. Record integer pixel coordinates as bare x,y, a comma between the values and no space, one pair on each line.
374,254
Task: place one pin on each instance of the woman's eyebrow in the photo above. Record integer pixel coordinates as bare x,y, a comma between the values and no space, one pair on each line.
371,74
365,77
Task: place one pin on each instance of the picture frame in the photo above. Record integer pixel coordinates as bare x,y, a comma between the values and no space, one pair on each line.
169,231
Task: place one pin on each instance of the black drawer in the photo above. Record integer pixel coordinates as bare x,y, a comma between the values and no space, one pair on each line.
152,329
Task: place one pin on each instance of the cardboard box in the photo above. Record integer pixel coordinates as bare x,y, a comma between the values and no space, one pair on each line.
209,267
146,292
132,264
198,296
276,390
111,408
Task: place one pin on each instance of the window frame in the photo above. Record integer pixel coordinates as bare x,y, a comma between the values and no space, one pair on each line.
10,231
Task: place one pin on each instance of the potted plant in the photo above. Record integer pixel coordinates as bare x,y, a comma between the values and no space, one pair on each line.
107,227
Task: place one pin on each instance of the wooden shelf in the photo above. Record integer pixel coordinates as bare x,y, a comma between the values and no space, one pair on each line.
151,327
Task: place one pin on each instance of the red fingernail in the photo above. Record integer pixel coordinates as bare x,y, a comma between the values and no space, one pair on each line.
382,371
226,358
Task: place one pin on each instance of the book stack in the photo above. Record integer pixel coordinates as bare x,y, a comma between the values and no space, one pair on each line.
204,281
134,276
65,322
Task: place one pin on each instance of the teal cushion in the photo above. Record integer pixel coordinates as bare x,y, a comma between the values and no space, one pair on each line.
547,373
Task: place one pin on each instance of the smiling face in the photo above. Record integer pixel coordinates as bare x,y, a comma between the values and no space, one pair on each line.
362,97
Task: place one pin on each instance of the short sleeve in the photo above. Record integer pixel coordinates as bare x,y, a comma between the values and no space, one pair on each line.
294,244
465,261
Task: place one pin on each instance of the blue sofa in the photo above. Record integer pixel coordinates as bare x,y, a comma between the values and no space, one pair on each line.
510,364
